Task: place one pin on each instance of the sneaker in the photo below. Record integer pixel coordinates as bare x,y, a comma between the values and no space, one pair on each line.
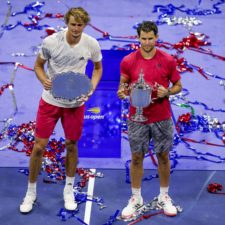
28,202
133,205
165,202
69,201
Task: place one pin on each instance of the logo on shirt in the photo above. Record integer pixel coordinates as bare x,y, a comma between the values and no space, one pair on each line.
159,65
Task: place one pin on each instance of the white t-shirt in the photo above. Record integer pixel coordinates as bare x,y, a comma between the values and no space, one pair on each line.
62,57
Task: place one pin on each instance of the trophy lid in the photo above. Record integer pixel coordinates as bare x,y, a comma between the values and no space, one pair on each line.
141,84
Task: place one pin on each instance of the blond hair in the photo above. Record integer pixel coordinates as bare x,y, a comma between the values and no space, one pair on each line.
79,15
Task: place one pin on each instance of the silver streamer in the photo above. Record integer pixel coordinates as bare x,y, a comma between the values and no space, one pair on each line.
7,121
187,22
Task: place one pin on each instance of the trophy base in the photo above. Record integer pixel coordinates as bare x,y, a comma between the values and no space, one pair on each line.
138,118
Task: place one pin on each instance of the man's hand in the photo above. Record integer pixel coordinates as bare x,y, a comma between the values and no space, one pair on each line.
85,98
162,92
123,91
47,84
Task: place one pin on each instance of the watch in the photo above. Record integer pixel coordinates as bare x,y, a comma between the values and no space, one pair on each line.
168,93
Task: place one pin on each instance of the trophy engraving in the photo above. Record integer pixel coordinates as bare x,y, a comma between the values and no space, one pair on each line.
140,97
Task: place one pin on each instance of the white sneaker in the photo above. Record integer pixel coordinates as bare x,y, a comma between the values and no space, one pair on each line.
133,204
165,202
69,201
28,202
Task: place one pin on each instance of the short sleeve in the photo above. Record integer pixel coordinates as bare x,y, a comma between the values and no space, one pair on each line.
175,75
124,68
45,50
96,55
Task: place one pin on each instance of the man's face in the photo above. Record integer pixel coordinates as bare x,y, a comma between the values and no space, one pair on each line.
75,28
147,41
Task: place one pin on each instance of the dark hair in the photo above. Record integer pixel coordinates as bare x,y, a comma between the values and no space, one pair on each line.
147,26
79,14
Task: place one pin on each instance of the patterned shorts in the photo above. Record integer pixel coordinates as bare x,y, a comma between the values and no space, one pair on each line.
160,132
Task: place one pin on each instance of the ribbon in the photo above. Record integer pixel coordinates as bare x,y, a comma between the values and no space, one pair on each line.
3,26
113,218
147,216
66,214
170,9
215,188
106,35
34,6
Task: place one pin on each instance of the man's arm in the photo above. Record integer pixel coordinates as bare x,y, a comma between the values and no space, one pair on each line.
96,74
176,88
40,73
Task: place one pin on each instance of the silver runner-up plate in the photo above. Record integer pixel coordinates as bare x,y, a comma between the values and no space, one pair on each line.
70,86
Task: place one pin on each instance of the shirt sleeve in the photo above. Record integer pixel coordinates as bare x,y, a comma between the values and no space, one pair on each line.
175,75
45,50
96,52
124,68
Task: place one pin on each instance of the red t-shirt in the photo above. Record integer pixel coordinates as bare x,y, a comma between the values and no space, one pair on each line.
160,69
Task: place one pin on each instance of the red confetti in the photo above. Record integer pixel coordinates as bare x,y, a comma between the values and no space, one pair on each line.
214,188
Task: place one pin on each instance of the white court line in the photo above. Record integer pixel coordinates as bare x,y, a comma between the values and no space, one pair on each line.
90,191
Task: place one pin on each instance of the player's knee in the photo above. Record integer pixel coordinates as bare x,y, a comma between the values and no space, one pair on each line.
163,158
137,160
71,145
38,149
